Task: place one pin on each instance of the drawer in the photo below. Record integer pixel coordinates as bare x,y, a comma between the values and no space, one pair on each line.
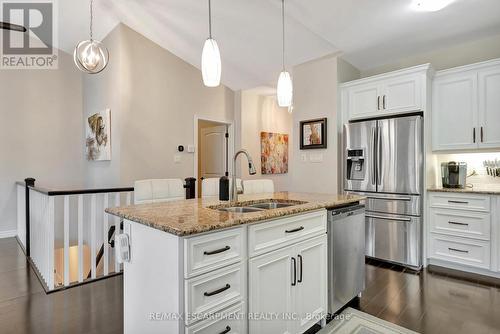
209,293
460,201
214,250
474,253
268,236
230,321
461,223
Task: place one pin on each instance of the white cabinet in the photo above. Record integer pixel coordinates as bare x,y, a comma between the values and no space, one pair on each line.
388,94
454,116
489,107
466,107
292,283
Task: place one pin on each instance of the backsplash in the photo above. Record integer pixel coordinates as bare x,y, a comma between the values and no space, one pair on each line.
475,162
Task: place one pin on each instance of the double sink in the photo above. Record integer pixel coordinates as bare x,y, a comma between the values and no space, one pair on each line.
255,207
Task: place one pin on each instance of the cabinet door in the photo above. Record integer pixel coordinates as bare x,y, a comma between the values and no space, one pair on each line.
364,100
454,112
489,108
311,301
271,292
402,94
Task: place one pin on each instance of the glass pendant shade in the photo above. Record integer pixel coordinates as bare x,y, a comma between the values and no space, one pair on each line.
285,89
91,56
211,63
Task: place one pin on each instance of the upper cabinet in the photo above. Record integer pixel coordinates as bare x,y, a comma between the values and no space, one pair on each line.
466,107
388,94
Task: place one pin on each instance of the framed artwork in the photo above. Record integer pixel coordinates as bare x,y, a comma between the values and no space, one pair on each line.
274,153
98,136
313,134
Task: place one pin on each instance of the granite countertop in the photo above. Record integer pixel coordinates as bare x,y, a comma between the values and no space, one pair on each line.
188,217
489,189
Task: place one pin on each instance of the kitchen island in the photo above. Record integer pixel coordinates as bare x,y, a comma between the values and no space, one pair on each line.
198,267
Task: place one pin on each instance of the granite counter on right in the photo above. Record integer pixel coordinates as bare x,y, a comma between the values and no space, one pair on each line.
488,189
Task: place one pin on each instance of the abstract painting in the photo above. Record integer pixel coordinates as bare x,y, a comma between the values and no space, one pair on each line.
274,153
98,136
313,134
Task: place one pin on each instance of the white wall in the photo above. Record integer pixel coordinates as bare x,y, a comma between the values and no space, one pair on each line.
41,136
315,96
453,56
261,113
153,96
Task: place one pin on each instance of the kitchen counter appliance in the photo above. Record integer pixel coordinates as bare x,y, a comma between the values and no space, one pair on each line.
454,174
346,255
383,161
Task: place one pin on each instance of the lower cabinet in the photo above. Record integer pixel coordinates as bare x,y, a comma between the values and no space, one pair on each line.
288,288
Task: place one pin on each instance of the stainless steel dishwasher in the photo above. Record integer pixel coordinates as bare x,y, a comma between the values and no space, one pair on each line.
346,255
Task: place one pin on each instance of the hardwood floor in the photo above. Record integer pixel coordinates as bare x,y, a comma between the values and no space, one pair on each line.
25,308
433,301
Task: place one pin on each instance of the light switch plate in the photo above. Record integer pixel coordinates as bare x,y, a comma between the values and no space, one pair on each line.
316,157
191,149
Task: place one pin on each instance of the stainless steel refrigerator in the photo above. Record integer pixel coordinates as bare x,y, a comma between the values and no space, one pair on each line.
383,160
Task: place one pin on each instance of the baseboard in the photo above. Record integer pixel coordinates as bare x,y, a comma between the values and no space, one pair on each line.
8,234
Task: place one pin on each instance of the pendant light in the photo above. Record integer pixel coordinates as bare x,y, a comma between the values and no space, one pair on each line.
210,57
285,86
91,56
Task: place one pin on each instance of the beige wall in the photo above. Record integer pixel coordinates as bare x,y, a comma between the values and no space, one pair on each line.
261,113
153,96
315,96
457,55
41,136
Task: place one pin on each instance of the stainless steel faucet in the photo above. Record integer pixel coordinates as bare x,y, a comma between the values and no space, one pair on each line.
251,171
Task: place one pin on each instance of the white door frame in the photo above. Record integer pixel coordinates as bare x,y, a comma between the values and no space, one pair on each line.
230,144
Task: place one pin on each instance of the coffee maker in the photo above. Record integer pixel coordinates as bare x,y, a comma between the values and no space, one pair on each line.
454,174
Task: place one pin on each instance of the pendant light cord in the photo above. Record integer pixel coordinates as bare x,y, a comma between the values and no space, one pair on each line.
283,31
209,19
91,18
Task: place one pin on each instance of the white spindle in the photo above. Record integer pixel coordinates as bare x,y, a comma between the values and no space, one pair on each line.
50,239
117,228
105,234
80,238
92,235
66,240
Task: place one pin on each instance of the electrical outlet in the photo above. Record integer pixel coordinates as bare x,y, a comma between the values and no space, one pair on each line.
303,157
177,159
316,157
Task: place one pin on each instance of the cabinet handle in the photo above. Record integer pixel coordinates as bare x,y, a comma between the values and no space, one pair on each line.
294,272
474,135
457,223
481,134
458,250
295,230
225,331
378,102
300,267
458,202
383,102
216,292
217,251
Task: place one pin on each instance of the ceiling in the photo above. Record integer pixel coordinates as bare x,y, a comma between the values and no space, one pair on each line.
370,33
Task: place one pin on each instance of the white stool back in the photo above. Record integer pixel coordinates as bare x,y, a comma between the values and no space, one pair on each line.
158,190
210,187
258,186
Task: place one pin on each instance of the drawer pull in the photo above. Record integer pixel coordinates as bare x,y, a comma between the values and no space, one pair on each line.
295,230
458,202
457,223
217,251
208,294
389,218
225,331
458,250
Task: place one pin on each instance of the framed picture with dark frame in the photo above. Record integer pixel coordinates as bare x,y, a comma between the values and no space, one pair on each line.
313,134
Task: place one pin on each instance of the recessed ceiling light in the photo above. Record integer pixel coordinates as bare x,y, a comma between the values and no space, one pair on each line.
430,5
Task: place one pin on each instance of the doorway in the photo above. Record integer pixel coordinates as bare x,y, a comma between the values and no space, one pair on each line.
213,150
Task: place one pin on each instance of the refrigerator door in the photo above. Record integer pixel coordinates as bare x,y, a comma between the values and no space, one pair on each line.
400,155
394,238
359,147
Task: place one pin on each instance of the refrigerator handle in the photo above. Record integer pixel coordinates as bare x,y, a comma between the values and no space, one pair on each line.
372,154
379,156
